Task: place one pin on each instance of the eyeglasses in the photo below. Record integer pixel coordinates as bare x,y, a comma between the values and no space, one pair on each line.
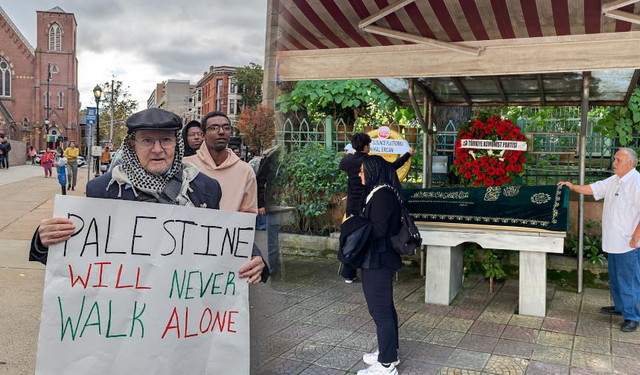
148,143
215,128
198,134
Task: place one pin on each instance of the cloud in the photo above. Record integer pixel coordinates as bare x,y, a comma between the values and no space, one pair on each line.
143,43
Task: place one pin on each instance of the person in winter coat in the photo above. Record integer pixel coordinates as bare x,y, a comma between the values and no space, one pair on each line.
238,181
5,147
193,137
46,161
152,170
382,207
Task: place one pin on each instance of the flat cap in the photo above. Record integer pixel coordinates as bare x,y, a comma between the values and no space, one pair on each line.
153,119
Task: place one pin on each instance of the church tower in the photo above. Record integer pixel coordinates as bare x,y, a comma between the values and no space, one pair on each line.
56,77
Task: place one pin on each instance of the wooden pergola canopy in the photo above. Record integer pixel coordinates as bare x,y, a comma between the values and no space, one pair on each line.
462,52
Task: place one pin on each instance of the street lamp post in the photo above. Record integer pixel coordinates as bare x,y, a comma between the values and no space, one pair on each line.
97,94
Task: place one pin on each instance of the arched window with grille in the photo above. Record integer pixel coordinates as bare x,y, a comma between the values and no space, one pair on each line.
55,38
5,78
61,100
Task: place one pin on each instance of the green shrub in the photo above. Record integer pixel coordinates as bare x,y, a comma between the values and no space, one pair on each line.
310,181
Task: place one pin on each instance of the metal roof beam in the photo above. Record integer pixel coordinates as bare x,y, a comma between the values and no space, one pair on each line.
384,12
386,90
496,79
463,90
623,16
632,86
421,40
617,4
541,89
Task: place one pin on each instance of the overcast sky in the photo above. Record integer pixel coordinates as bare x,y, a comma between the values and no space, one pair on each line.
142,42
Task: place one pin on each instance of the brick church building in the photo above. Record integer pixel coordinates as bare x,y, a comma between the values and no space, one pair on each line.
35,107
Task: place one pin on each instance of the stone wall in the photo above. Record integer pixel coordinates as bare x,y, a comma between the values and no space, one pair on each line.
18,153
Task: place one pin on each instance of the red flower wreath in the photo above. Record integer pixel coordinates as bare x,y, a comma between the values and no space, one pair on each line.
480,167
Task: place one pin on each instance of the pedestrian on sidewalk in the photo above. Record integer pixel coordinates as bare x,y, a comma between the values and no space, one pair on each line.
61,170
47,162
381,206
71,154
32,155
105,160
620,234
5,147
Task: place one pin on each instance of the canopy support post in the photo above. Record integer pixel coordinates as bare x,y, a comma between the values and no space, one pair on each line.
583,150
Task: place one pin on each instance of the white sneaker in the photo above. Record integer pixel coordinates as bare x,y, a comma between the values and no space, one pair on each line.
378,369
371,358
349,281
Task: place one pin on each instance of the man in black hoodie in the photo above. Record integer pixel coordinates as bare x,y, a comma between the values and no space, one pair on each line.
193,137
351,163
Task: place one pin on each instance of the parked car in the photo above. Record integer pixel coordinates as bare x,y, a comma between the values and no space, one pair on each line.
81,161
39,156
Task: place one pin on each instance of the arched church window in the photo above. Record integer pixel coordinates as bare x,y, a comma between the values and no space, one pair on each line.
55,38
5,78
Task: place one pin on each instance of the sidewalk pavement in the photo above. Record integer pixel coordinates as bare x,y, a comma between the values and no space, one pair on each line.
311,322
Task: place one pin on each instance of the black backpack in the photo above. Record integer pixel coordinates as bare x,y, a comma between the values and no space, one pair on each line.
408,239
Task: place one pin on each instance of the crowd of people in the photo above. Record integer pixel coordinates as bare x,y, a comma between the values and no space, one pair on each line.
192,165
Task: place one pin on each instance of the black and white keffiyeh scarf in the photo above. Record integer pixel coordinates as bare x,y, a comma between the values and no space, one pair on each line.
138,176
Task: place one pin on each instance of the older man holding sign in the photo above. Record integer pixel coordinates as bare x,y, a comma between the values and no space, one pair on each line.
144,288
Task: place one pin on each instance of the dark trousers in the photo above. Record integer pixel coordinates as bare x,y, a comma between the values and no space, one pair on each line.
4,160
624,279
377,285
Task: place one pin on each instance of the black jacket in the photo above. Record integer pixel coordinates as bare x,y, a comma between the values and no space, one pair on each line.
351,164
383,211
355,236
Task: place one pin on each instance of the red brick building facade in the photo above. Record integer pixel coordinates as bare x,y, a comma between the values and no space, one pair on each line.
219,92
23,80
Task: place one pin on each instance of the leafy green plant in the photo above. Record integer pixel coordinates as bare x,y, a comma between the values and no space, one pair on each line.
621,122
592,243
492,265
310,181
348,100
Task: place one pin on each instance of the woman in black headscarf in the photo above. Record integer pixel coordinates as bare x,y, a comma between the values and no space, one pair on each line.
381,204
193,137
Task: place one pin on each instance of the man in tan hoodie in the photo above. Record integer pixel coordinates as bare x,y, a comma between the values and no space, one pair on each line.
214,159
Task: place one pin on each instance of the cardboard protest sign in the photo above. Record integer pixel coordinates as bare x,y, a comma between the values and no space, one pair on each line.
145,288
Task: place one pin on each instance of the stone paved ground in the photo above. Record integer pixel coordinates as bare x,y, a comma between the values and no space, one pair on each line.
311,322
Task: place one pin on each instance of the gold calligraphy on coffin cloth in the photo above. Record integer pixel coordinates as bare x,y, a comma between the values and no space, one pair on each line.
403,171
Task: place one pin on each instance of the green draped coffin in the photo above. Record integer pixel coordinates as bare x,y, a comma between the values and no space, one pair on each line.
542,207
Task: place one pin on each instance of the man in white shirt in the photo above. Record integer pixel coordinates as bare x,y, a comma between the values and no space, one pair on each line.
620,234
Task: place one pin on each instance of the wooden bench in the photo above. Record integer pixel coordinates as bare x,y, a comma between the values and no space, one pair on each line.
444,259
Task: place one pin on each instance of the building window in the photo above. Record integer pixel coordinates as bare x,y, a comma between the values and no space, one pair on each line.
47,99
199,99
218,104
55,38
233,88
60,100
232,106
219,87
5,78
